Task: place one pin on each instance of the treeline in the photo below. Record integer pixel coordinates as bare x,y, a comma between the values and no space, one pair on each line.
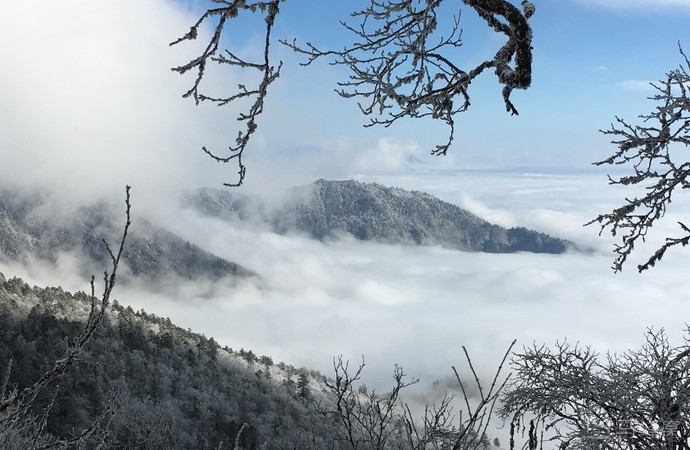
140,382
177,389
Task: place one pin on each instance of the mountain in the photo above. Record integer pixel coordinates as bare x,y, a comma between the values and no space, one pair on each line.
31,226
176,389
140,382
374,212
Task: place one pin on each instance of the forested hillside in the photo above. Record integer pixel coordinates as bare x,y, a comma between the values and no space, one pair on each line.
143,383
31,228
177,389
370,211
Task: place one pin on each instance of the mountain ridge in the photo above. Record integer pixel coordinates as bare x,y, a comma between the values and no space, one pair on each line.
371,211
31,227
167,376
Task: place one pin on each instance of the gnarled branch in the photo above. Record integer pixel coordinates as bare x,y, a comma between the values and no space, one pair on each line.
269,73
400,66
656,151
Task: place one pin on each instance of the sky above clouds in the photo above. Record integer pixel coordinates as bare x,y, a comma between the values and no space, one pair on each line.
592,61
88,87
89,104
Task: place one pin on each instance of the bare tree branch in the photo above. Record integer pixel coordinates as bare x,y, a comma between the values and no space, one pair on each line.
269,73
656,151
375,421
474,428
368,418
637,400
400,64
401,68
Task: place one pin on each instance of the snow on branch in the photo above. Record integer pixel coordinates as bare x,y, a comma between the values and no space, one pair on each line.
581,399
401,65
656,152
269,73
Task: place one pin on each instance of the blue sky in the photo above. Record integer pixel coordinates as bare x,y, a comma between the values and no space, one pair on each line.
592,61
84,67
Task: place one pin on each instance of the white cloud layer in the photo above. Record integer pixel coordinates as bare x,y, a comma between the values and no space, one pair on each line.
90,104
636,86
89,100
92,110
417,306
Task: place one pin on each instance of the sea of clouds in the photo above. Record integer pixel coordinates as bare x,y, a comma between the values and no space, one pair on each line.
86,110
416,306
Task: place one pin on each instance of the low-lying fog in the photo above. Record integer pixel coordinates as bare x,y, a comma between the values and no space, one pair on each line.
90,105
416,306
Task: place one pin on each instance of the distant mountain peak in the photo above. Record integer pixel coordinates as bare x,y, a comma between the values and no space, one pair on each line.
371,211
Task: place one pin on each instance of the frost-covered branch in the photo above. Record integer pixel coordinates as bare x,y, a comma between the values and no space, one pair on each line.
657,153
401,66
384,421
472,432
580,399
367,418
269,72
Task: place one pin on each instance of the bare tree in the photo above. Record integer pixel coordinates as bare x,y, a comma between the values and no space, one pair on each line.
373,421
401,64
581,400
367,418
16,418
472,431
656,151
436,430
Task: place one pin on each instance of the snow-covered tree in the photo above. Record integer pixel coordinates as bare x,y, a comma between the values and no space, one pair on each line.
19,425
656,152
579,399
